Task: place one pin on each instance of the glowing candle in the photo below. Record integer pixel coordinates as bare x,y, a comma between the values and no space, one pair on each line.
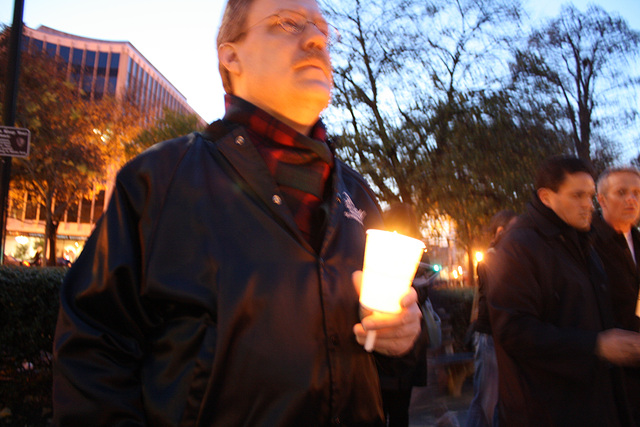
390,263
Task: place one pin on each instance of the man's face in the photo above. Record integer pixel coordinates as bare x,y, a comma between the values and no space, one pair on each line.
621,201
573,202
287,75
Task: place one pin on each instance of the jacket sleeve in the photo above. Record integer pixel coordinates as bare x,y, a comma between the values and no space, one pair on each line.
519,295
99,340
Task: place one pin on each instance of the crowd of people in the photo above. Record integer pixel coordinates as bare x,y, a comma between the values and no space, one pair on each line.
257,321
561,289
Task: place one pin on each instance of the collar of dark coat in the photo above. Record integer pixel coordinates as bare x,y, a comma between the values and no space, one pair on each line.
602,228
604,231
552,226
246,165
605,235
547,221
217,130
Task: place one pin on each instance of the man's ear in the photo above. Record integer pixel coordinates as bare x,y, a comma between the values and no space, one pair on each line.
545,196
228,57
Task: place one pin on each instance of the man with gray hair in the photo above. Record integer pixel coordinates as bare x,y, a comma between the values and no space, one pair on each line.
550,312
220,286
617,241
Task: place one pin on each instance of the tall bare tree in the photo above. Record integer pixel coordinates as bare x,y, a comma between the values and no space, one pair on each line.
587,60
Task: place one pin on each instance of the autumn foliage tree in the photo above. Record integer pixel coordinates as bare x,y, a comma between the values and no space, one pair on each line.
73,138
171,125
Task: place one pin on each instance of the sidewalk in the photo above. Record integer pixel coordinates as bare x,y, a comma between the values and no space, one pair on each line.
428,405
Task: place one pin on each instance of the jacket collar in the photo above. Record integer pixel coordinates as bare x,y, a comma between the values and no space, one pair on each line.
604,231
609,236
547,221
232,142
553,227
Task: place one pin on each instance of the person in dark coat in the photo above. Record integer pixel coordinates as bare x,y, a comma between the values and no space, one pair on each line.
220,286
411,369
550,312
485,373
617,241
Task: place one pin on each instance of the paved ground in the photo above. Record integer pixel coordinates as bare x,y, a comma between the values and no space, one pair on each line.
428,405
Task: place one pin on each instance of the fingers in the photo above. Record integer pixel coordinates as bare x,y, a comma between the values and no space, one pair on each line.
619,347
390,341
410,299
395,333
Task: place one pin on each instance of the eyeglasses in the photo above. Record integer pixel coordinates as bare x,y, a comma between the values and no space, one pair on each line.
295,23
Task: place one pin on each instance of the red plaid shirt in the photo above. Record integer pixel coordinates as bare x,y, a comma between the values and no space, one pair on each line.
301,165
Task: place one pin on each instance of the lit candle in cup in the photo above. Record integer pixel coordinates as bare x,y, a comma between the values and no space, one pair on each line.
390,263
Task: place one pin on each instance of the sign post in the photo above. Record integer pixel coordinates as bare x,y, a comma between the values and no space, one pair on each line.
14,142
9,114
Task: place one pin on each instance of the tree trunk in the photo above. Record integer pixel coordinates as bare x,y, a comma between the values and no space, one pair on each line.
470,267
50,231
50,235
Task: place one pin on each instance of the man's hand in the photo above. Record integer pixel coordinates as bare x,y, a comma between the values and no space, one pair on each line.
395,333
619,347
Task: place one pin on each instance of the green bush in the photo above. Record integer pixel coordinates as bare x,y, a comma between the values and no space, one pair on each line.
28,312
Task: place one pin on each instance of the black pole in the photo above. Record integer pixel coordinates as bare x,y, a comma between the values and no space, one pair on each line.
9,114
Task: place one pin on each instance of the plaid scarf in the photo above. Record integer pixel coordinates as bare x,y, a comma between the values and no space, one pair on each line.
301,165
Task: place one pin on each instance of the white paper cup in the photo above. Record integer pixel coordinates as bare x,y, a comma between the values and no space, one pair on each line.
390,264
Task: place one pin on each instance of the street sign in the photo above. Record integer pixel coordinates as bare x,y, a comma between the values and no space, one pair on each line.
14,142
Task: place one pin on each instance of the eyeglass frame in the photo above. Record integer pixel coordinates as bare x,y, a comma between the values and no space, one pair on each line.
332,34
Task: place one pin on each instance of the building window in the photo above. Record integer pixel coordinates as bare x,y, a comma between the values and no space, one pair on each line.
87,81
37,46
52,49
64,53
101,74
76,65
113,73
25,43
72,212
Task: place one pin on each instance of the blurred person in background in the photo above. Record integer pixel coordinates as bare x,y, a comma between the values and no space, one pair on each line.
550,310
617,241
397,384
485,377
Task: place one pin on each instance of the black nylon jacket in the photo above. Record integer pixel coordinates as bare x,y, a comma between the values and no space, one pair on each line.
197,302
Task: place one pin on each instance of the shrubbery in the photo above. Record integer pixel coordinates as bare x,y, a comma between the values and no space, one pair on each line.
28,312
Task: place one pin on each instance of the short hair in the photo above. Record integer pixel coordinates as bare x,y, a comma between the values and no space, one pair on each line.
234,20
602,185
554,170
500,219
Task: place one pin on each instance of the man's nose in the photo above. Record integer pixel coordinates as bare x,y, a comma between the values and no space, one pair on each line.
313,36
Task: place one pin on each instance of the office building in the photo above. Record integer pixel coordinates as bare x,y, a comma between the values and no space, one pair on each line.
99,68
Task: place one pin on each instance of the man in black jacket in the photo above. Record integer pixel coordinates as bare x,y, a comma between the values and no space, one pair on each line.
218,289
617,241
551,314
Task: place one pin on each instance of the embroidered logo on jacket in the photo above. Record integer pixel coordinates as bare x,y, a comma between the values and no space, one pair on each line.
352,211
